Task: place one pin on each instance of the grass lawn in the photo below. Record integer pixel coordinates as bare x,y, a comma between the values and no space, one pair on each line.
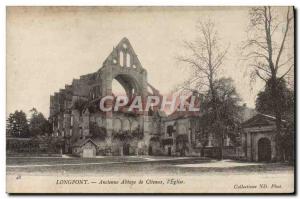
138,166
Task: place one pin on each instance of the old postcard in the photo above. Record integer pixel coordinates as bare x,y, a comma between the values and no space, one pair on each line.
150,100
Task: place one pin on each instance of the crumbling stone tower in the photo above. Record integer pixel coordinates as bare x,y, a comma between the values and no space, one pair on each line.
123,65
73,124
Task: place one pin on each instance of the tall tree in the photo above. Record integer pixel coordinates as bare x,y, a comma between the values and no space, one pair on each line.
38,124
205,58
17,124
227,101
264,49
264,102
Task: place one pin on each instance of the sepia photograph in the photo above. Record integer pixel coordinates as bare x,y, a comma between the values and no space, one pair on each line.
150,99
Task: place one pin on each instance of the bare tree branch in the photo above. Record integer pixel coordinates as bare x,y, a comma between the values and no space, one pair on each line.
288,19
259,75
282,76
205,56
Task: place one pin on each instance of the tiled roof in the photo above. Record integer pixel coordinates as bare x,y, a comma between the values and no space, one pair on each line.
81,142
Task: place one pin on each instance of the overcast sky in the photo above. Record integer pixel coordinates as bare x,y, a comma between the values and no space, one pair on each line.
48,47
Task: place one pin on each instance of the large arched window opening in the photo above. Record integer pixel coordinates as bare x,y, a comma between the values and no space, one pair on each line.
117,88
128,60
125,85
121,58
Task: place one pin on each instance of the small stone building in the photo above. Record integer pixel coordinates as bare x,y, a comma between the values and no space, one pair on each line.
180,129
258,138
84,148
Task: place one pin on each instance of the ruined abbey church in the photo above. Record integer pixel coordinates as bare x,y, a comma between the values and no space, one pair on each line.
86,131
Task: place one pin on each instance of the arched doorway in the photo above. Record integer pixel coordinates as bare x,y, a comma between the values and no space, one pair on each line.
126,149
264,150
150,152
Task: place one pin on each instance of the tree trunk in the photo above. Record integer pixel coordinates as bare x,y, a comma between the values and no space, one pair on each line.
222,144
277,111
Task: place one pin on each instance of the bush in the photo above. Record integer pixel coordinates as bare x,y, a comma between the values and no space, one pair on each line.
97,132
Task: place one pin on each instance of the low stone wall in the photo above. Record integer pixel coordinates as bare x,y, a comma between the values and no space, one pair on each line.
33,155
235,153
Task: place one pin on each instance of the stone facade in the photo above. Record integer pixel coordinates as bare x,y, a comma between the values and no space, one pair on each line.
75,115
258,138
74,108
84,148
